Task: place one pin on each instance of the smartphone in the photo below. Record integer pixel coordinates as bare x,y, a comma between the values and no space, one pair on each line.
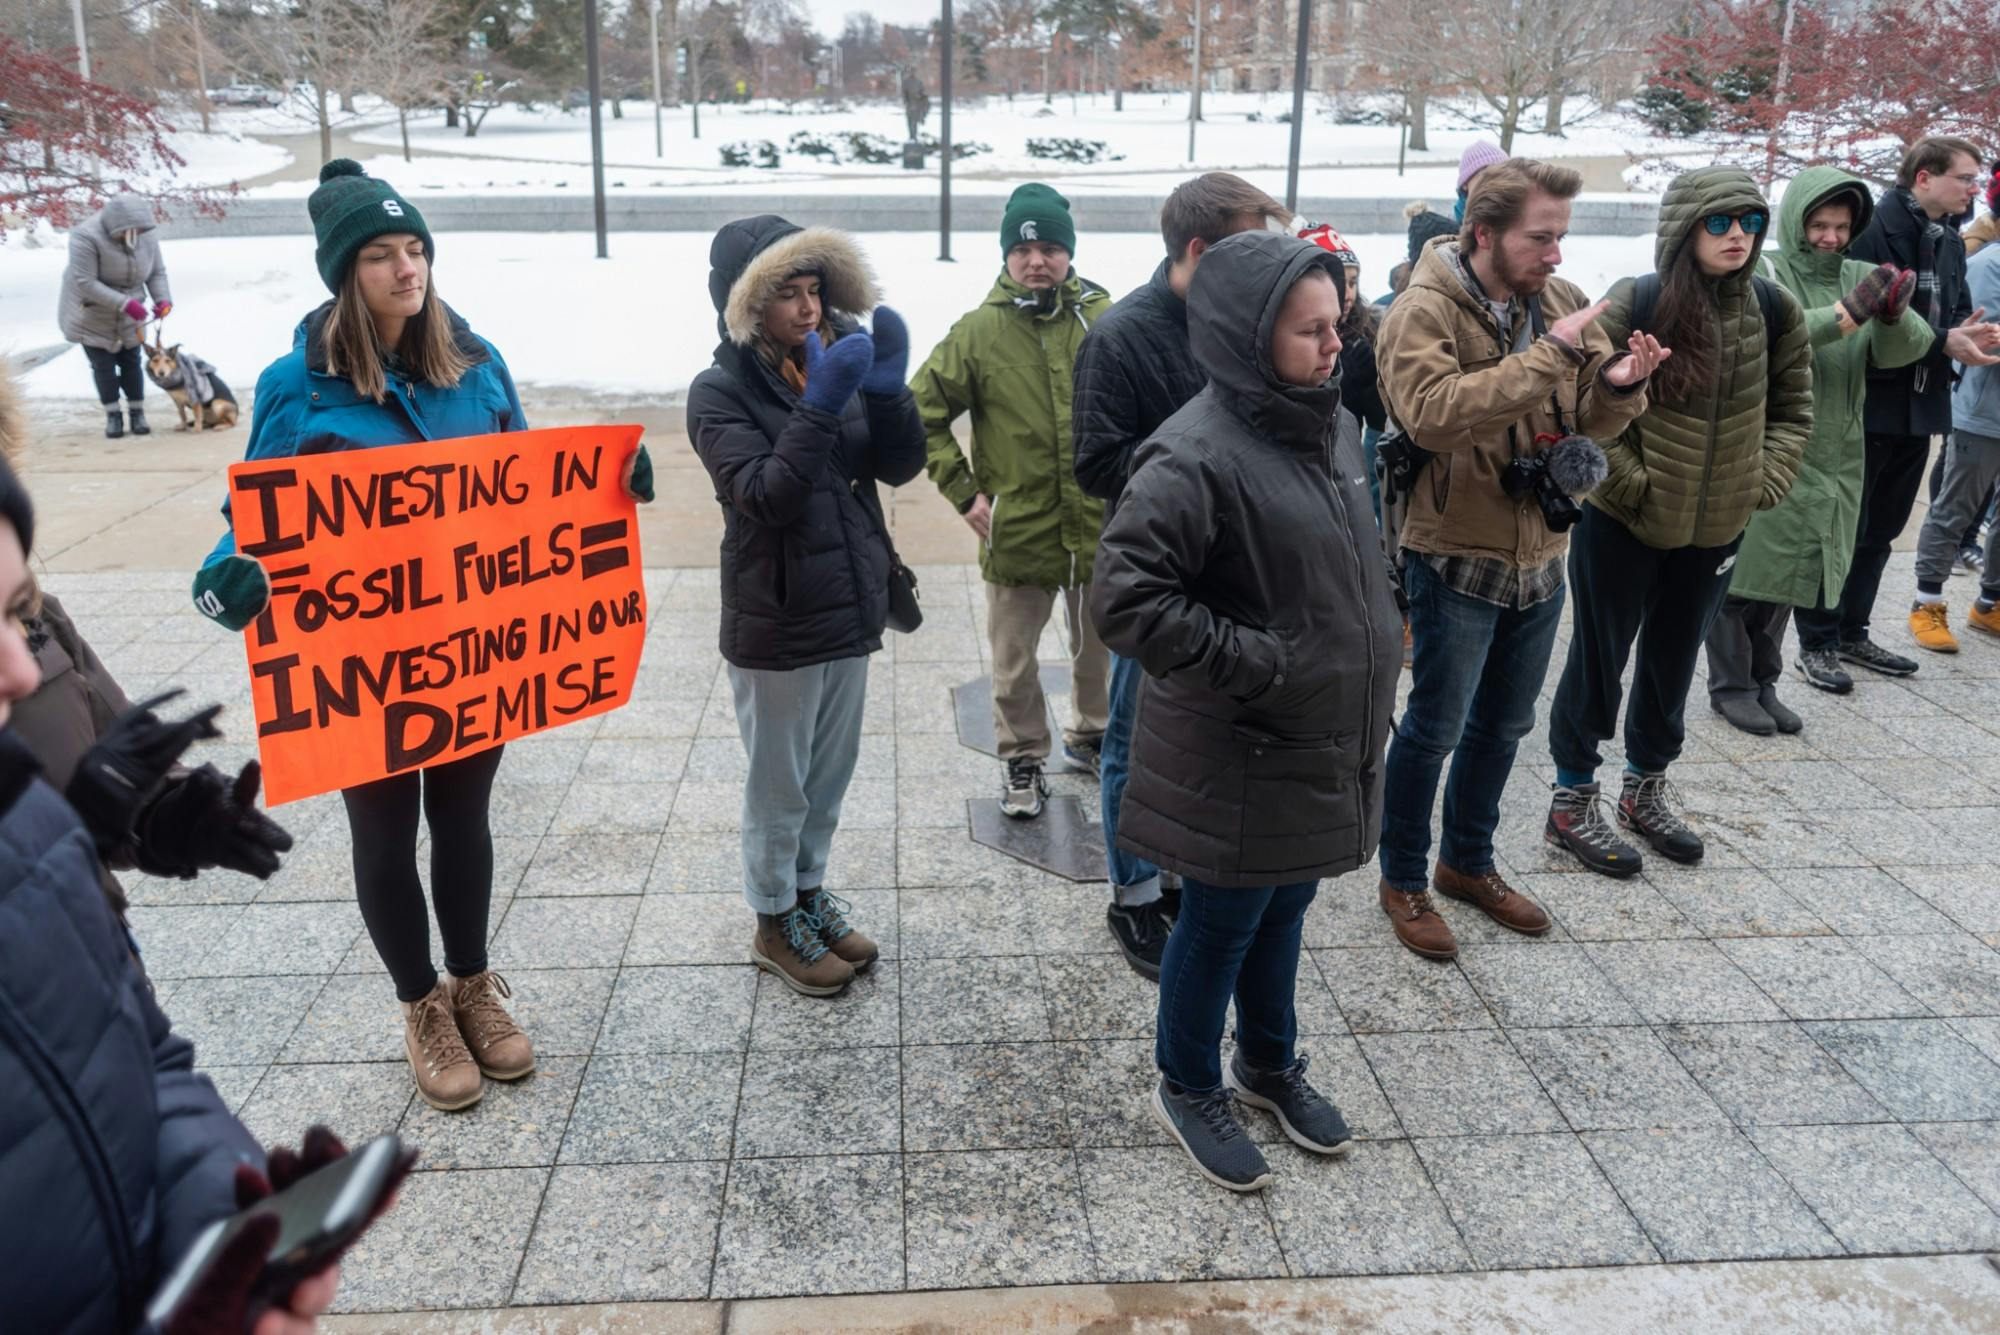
318,1216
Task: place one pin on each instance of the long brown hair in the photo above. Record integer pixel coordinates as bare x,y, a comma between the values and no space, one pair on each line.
354,349
1684,320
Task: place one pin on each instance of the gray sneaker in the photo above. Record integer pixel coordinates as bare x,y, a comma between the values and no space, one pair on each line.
1307,1117
1866,653
1026,790
1206,1127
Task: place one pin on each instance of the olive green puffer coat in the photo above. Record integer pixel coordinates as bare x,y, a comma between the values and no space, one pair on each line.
1011,363
1792,553
1691,472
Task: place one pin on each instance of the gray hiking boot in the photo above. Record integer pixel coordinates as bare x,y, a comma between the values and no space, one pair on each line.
1205,1126
1311,1120
1650,807
1577,824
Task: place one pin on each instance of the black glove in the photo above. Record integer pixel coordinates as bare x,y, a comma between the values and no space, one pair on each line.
201,820
117,778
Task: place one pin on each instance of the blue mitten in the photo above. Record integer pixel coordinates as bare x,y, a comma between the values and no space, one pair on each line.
892,354
833,374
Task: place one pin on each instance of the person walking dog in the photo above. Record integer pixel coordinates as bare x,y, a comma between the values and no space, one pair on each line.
114,265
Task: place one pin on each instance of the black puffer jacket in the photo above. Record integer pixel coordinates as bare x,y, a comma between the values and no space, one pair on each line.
113,1152
1914,400
805,572
1133,372
1244,573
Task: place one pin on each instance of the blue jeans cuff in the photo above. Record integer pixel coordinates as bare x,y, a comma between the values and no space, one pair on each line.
1138,895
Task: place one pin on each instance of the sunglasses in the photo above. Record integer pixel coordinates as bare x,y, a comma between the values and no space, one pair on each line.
1753,222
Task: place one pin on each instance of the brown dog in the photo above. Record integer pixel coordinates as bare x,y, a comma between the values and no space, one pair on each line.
184,376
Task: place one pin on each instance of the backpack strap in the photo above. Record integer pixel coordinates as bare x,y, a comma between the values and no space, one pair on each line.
1646,299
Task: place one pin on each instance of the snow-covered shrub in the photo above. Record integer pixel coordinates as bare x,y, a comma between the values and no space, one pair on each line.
750,153
808,144
1059,149
877,149
960,148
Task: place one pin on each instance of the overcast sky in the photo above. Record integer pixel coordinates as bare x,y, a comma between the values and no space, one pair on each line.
830,16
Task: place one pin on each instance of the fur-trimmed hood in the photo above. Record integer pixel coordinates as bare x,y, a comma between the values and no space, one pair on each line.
751,258
13,417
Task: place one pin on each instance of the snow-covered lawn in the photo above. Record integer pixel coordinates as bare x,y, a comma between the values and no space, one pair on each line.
640,322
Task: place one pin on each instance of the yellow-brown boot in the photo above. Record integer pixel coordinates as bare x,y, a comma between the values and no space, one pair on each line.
447,1077
491,1036
1986,619
1930,625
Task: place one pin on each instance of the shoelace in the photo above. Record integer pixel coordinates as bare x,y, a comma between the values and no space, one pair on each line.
801,931
1218,1113
1294,1078
830,913
1587,822
1419,902
1023,774
437,1035
1653,801
479,1001
1497,887
1821,660
1936,616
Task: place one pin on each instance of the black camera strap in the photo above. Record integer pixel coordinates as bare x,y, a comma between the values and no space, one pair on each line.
1537,327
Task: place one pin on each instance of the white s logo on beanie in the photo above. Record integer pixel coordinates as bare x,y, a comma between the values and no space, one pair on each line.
392,208
1028,232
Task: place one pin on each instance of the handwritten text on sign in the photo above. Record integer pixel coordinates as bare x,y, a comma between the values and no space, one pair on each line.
433,600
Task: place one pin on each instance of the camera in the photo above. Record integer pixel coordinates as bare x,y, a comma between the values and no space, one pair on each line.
1570,467
1530,477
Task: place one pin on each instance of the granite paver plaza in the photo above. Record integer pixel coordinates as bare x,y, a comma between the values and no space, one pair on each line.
1791,1051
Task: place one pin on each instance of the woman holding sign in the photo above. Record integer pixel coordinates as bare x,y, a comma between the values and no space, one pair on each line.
798,419
387,363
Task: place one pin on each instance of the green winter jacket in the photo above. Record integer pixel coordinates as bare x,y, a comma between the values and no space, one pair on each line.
1009,363
1691,473
1794,552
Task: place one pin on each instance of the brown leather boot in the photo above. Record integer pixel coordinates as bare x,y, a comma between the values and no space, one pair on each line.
491,1036
1417,923
831,913
788,945
1494,897
447,1077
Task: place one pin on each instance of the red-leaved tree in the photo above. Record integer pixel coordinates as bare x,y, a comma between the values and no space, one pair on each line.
1784,85
67,143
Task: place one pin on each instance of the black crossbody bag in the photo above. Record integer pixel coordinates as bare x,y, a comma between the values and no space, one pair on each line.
905,614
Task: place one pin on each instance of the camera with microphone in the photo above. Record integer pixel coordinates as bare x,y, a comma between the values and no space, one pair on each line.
1569,467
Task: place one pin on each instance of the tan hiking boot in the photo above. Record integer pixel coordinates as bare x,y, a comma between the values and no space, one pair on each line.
495,1041
830,912
1417,922
788,945
1492,895
447,1077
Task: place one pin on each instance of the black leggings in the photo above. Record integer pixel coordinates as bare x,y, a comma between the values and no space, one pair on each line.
116,370
382,816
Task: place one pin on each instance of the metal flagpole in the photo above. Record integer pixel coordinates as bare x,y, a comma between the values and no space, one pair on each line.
659,135
1298,105
944,142
1194,83
596,127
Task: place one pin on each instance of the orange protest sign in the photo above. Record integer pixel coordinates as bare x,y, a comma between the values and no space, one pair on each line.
433,600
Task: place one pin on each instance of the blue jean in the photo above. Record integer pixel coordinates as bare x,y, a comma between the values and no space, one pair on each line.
1240,943
1477,669
1134,881
802,732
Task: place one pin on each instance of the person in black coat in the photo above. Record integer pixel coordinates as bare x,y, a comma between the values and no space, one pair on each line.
1134,371
1915,227
798,419
1243,572
114,1153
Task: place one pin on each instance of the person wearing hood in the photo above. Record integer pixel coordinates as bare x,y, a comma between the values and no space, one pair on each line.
1136,369
1489,362
1915,227
1242,571
801,415
1985,229
114,265
386,362
1726,424
1011,364
1797,553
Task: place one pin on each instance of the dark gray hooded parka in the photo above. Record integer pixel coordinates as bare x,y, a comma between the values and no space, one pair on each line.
1243,571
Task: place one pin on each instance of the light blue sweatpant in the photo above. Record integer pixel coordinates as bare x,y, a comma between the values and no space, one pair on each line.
801,729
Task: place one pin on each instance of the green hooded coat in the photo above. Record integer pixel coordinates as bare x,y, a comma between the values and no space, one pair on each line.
1009,362
1792,553
1692,472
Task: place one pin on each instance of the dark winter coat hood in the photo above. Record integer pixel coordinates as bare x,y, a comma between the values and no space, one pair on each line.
1233,306
751,258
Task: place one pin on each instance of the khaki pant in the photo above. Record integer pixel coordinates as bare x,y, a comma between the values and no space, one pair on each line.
1014,622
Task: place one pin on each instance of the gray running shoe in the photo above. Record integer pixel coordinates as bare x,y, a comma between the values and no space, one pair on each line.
1822,668
1205,1126
1875,658
1026,791
1312,1121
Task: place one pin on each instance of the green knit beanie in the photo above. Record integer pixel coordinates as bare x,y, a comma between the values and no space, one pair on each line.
1035,212
352,208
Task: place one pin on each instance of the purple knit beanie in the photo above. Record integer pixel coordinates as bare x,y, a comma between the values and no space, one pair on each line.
1481,155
